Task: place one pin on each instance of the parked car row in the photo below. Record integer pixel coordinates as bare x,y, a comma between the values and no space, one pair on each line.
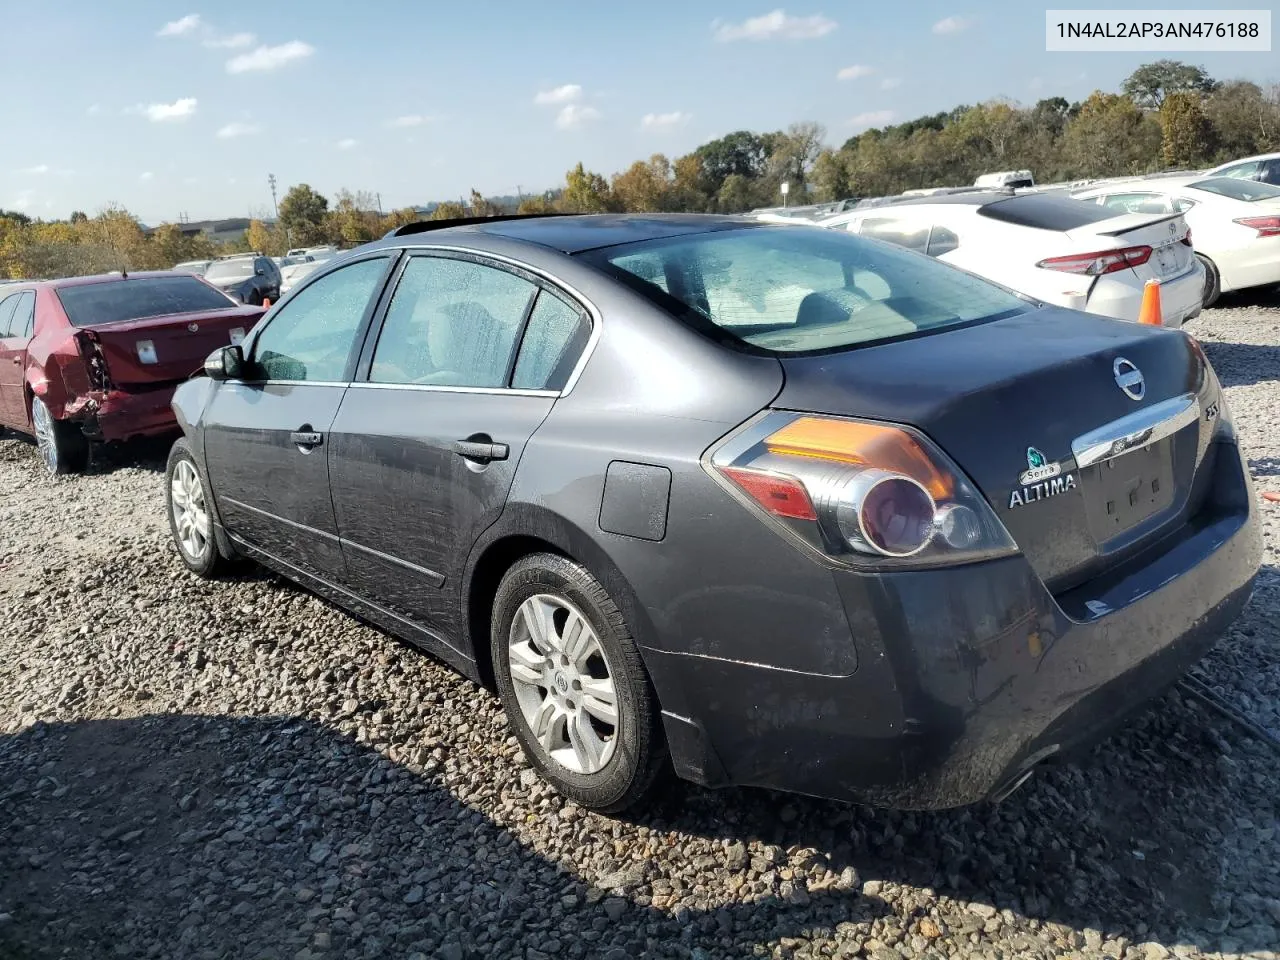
744,501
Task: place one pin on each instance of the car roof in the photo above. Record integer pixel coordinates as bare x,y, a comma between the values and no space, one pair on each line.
1259,156
578,232
100,278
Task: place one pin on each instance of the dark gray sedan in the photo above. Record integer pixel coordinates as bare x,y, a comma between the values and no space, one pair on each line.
767,504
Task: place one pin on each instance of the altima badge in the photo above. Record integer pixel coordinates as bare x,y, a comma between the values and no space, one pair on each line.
1041,479
1038,468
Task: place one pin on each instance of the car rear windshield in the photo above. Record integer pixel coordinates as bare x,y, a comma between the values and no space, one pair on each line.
114,301
229,269
1046,211
793,289
1248,190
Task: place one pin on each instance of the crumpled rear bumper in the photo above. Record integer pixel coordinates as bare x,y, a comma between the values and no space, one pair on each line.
121,414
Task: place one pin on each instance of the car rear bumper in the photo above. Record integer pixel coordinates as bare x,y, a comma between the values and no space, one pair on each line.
966,678
1120,296
122,414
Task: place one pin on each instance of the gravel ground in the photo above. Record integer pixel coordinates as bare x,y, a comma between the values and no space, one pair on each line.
237,769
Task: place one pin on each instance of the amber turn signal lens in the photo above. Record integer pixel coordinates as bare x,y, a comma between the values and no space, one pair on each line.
865,444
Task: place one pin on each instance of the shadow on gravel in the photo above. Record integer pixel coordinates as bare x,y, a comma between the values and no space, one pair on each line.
144,453
1242,364
188,836
176,835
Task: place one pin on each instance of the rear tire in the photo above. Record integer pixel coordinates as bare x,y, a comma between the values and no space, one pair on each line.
62,447
1212,281
189,505
572,655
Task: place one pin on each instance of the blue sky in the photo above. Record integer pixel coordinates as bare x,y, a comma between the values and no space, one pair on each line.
169,108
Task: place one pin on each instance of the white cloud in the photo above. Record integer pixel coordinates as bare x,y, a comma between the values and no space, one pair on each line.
664,121
347,143
855,72
569,93
270,58
93,110
573,116
38,169
163,112
408,120
145,176
951,25
778,25
180,28
22,200
889,83
233,41
872,118
236,129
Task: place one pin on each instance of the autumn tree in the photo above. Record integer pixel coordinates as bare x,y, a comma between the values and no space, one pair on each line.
1186,134
1245,120
479,206
302,215
536,204
1151,83
643,186
1110,137
448,211
829,179
585,192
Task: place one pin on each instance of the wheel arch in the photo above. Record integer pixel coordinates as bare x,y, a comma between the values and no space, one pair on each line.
526,529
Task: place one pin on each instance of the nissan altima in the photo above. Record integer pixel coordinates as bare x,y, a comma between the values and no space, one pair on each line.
788,508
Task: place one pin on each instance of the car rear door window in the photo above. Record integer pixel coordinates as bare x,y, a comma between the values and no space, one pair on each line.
451,323
7,307
311,337
24,316
555,336
910,235
1270,172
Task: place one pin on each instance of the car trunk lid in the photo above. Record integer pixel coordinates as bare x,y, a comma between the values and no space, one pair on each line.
166,348
1015,401
1164,234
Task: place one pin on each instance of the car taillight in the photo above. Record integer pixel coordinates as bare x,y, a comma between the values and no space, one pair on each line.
1266,226
861,493
1096,264
95,360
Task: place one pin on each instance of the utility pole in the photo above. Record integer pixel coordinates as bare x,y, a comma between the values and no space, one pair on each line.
379,196
271,181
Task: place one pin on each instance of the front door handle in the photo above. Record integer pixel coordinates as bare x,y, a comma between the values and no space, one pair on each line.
479,451
307,439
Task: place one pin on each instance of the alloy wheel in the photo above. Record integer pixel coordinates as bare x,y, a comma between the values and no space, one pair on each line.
563,683
46,442
190,513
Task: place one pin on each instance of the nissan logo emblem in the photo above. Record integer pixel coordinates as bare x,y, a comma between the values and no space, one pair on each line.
1129,379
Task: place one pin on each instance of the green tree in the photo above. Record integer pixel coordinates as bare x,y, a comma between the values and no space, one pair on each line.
829,179
302,215
1111,136
737,194
585,192
741,152
1152,82
78,216
1186,134
1244,119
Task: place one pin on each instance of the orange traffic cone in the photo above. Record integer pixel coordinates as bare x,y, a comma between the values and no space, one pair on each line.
1150,312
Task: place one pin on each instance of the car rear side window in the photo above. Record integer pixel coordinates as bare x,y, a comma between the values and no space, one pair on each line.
1045,211
553,340
7,307
787,290
913,236
451,323
24,317
942,240
311,336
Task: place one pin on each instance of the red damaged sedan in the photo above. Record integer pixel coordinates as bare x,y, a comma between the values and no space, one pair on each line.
91,359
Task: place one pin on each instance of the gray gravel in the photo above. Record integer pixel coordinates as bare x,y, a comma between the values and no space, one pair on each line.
239,770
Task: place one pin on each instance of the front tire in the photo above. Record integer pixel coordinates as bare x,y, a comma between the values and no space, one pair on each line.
1212,281
188,504
62,447
573,685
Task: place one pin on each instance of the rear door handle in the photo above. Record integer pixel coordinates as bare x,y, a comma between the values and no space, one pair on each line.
480,452
306,438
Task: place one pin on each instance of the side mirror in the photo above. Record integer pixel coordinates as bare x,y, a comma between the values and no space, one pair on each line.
225,363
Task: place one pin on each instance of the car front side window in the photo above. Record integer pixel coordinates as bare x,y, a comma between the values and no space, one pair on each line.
312,336
1241,171
451,323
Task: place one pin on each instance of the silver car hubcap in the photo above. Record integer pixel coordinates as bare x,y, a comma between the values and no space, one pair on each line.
190,516
42,423
563,684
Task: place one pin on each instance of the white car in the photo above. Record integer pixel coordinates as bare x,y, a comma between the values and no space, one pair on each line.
1235,224
198,267
293,269
1049,247
1264,168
